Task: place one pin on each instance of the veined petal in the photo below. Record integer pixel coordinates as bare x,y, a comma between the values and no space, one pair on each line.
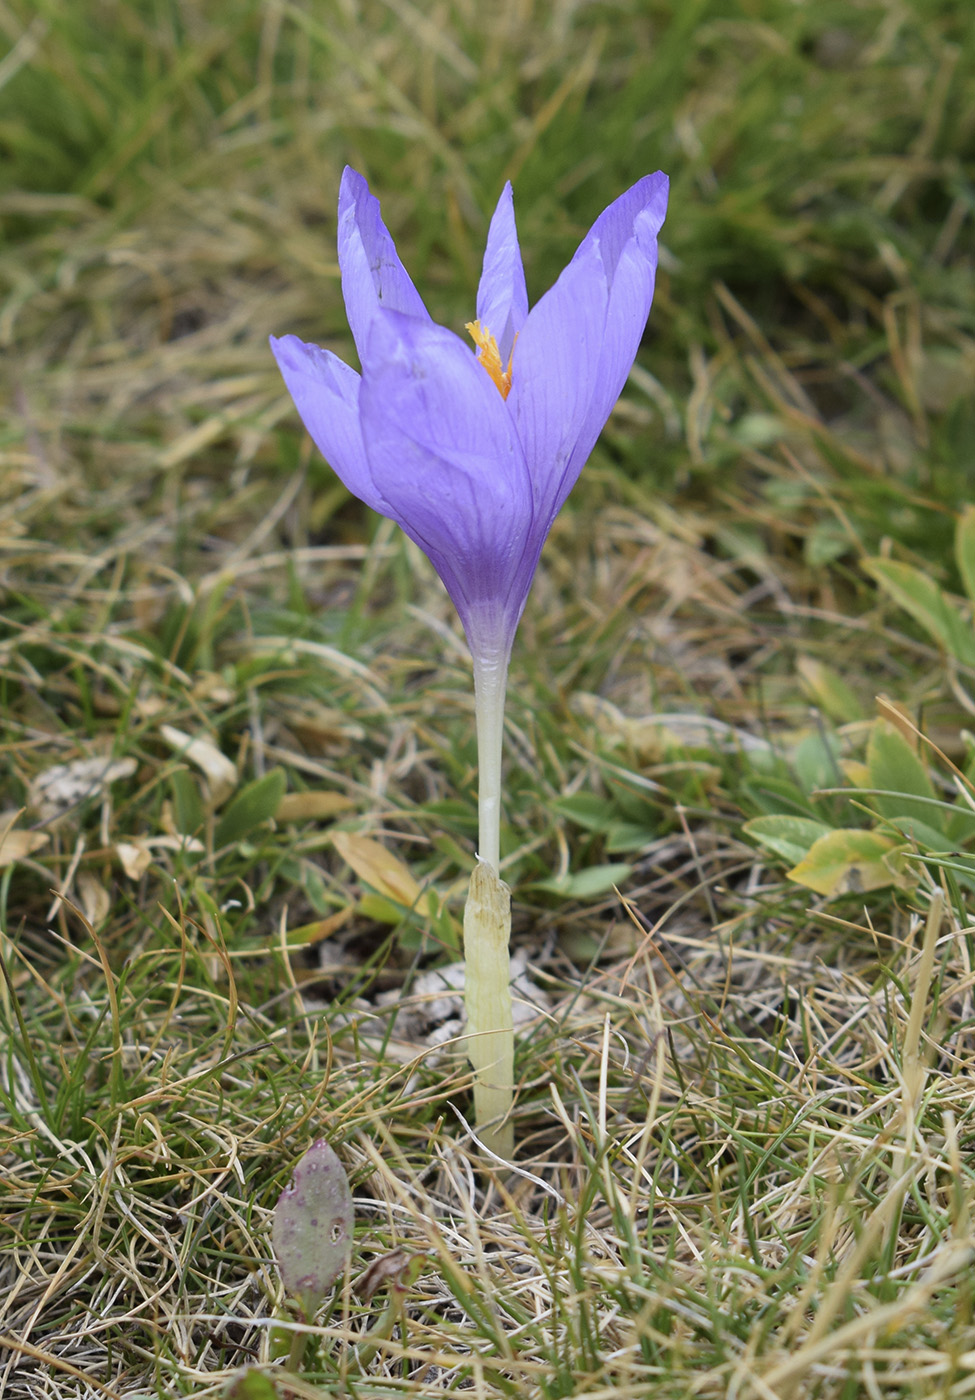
631,268
443,452
553,370
326,395
502,297
630,297
372,274
615,226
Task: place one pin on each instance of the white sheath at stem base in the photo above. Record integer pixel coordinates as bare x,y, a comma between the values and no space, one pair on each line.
491,1043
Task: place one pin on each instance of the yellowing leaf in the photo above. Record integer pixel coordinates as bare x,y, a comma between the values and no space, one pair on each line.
311,806
855,772
15,845
316,932
828,690
377,867
850,861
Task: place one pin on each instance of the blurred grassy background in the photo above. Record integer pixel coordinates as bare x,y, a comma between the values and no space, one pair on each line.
177,563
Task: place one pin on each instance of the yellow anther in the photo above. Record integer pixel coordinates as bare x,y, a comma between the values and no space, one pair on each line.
489,356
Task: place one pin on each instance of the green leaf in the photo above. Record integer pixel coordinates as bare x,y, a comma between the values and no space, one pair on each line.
960,823
927,604
816,761
850,861
788,837
254,1385
586,884
965,549
187,802
254,804
894,767
776,795
381,909
627,836
609,819
587,810
923,835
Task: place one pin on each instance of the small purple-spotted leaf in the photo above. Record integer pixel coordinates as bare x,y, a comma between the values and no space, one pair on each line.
312,1227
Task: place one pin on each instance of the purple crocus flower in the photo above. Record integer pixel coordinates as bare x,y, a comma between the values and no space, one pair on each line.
474,455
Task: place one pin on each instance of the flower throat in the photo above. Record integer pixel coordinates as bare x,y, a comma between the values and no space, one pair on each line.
489,356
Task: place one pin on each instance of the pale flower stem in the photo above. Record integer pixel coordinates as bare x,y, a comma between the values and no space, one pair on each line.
490,681
487,929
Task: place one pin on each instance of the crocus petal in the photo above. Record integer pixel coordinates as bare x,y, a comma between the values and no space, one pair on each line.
502,297
615,226
444,454
630,266
326,395
372,274
630,296
554,367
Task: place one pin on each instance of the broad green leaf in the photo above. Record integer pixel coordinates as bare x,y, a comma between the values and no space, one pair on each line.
924,600
627,836
850,861
965,549
254,804
960,823
923,835
380,909
787,837
587,810
775,795
587,884
894,767
816,761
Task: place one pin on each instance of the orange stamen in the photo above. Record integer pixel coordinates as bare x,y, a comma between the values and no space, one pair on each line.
489,356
